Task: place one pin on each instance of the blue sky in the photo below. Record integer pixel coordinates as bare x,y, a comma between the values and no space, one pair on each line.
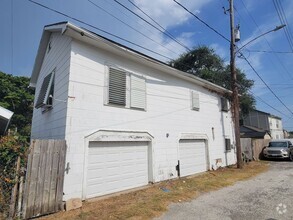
22,22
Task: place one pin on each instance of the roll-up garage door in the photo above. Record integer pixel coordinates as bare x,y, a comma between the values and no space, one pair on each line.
193,158
116,166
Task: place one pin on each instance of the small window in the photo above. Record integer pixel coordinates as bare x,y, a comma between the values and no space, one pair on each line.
45,98
117,87
224,104
194,101
228,144
138,92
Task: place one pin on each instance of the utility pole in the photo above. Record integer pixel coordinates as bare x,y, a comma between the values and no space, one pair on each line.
235,97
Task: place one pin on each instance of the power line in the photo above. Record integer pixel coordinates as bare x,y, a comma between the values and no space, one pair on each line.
127,15
260,99
137,15
254,70
130,26
269,51
165,30
278,58
241,54
287,24
99,29
283,21
202,21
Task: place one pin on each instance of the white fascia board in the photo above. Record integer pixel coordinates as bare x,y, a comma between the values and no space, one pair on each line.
42,50
5,113
93,39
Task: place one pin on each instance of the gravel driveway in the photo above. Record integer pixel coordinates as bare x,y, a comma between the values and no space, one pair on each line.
268,196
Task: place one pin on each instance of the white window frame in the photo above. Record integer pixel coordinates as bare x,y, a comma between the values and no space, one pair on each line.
46,96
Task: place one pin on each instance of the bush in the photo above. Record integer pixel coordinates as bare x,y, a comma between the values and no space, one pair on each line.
11,147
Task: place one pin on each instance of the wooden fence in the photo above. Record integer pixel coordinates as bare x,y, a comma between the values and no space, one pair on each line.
44,178
253,147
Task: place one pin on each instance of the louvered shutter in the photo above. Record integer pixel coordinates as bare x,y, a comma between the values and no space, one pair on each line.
45,90
228,144
195,100
224,104
117,87
138,92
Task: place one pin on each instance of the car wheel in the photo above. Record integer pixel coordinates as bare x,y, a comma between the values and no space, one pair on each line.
291,157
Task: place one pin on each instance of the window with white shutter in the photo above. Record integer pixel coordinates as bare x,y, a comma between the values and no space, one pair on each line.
194,100
137,92
117,87
45,98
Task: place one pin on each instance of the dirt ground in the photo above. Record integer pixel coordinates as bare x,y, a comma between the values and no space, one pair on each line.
154,200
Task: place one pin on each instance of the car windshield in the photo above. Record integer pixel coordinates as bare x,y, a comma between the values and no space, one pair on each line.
278,144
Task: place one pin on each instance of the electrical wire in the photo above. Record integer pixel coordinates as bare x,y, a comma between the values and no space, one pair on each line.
148,49
97,6
163,29
99,29
283,21
165,33
255,23
254,70
202,21
268,51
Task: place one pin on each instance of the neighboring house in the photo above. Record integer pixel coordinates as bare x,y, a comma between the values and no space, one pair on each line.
276,127
252,132
5,117
127,118
266,122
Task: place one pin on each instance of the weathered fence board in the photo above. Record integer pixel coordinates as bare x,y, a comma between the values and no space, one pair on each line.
246,147
45,176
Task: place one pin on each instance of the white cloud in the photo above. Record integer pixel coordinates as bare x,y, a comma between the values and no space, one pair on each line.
168,13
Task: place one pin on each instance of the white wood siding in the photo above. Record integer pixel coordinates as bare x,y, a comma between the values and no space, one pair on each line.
168,114
52,124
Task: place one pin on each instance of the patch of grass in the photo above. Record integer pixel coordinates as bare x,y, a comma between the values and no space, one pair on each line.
153,201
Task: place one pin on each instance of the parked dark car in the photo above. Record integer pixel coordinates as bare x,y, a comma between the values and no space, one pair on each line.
282,149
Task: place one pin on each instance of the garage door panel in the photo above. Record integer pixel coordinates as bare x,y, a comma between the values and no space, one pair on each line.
192,155
116,166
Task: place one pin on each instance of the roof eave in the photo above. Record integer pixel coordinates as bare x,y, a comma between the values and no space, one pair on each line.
42,49
199,81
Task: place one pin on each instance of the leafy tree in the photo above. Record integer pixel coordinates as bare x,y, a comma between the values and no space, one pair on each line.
17,97
205,63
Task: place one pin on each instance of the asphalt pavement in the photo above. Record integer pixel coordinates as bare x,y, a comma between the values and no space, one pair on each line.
267,196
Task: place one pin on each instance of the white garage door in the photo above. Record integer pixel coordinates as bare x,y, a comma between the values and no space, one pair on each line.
192,157
116,166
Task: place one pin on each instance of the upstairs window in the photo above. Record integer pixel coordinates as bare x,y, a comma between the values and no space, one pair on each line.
224,104
117,87
126,89
45,98
137,92
194,101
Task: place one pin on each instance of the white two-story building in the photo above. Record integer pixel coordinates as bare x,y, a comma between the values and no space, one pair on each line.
127,118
